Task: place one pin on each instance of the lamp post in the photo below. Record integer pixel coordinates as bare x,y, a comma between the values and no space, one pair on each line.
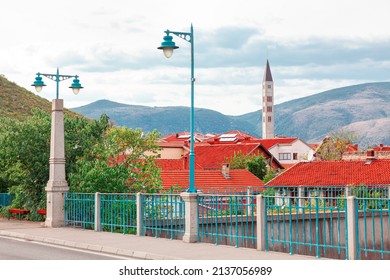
57,185
168,46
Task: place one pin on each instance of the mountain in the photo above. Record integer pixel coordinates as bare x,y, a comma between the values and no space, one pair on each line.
17,102
363,109
353,108
166,120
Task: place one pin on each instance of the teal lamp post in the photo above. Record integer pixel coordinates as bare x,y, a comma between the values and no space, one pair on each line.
57,185
39,84
168,46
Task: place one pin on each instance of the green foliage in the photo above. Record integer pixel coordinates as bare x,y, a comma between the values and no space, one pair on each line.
269,175
122,162
25,151
253,163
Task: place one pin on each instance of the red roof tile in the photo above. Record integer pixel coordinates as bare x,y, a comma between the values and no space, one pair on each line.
335,173
171,164
206,179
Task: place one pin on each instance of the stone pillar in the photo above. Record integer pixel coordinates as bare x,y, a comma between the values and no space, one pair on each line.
261,219
191,219
351,227
139,215
56,186
97,211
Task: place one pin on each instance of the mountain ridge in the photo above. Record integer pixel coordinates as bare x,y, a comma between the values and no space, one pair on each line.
310,118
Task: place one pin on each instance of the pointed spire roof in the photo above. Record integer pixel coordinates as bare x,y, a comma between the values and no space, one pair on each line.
267,73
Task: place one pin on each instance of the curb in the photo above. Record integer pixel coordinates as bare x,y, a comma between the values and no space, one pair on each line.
88,247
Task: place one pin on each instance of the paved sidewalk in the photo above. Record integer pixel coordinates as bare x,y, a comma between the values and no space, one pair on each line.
133,246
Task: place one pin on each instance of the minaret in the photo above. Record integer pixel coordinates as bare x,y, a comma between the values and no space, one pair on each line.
268,104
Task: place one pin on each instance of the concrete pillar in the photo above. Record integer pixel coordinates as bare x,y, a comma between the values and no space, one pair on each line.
191,219
348,191
261,219
139,215
97,211
301,199
56,186
351,220
249,193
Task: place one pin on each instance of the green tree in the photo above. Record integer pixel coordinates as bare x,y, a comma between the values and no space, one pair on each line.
256,164
122,162
25,151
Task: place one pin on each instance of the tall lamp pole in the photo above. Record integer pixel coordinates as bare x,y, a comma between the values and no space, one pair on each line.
57,185
168,46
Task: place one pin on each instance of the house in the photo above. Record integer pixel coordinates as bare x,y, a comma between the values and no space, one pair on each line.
175,146
333,178
378,152
211,151
288,151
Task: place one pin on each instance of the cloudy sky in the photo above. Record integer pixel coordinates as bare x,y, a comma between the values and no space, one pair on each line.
112,45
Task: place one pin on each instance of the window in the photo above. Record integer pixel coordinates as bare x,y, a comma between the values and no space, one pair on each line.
269,98
284,156
269,86
269,118
269,108
295,156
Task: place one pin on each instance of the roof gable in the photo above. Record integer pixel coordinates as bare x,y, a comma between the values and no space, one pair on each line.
269,143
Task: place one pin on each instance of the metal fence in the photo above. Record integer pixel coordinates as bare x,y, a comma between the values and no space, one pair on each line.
307,225
118,213
227,219
79,210
163,215
372,228
5,199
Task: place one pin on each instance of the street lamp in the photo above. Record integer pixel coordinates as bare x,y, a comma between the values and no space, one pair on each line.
168,46
39,84
57,185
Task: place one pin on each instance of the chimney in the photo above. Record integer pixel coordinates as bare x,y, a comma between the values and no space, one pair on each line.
226,170
370,155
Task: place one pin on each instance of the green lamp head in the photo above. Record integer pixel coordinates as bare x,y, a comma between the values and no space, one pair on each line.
38,83
168,45
76,86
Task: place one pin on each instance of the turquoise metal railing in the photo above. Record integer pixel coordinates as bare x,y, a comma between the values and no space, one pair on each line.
5,199
79,210
118,213
163,215
307,225
370,191
372,228
227,219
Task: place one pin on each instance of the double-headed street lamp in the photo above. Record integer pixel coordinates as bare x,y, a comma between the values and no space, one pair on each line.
168,46
56,186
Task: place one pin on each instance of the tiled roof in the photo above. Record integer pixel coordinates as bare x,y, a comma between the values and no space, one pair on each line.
213,156
171,164
206,179
269,143
335,173
183,136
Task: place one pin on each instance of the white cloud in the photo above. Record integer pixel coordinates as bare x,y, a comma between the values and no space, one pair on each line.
312,46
